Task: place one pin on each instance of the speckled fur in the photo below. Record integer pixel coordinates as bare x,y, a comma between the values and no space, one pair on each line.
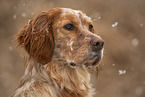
51,48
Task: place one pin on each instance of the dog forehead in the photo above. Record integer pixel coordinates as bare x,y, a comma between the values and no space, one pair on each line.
76,13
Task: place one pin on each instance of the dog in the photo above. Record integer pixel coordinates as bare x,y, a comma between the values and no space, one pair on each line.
61,44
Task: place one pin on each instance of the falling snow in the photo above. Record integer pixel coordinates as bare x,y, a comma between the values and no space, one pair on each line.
135,81
139,91
96,15
29,21
10,48
141,25
23,14
58,30
14,16
121,72
99,17
24,4
114,24
135,42
70,45
47,30
113,64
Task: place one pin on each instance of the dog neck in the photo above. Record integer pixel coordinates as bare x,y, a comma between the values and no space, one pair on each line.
64,79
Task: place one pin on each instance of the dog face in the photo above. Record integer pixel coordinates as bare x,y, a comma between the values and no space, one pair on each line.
75,40
62,34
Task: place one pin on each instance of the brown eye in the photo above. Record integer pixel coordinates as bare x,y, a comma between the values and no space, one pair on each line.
91,28
69,26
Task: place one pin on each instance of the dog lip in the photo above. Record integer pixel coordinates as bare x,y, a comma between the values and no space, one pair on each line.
96,61
97,58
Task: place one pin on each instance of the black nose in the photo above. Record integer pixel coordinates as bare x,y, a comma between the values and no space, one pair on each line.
97,44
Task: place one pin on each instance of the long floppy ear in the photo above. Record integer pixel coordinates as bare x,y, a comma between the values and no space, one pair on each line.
37,36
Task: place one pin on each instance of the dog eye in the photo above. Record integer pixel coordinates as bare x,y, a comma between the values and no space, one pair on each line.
91,28
69,26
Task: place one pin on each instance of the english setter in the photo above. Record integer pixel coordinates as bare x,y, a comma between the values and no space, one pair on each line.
61,45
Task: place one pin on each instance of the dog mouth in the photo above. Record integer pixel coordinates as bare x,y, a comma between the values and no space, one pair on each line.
93,60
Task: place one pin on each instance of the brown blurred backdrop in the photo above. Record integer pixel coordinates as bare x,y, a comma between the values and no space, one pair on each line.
121,23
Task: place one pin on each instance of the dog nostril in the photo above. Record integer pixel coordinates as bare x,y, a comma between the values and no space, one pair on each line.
97,43
102,44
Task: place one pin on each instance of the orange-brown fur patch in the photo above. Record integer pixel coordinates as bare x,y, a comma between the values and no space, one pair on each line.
37,36
51,49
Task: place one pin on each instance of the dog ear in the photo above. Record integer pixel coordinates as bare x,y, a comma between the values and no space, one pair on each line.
37,36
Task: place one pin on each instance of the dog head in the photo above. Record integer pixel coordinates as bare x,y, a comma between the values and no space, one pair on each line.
62,34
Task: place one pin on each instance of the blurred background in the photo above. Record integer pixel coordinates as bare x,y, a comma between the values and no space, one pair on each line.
121,23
